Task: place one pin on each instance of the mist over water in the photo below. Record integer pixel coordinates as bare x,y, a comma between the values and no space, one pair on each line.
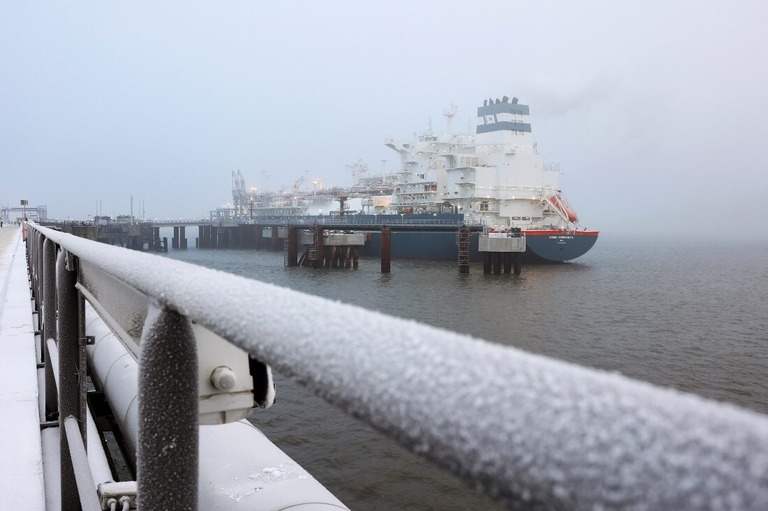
687,315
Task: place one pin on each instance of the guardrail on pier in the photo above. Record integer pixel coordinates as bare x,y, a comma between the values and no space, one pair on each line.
527,430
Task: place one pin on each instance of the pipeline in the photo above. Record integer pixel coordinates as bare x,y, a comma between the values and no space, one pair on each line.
240,468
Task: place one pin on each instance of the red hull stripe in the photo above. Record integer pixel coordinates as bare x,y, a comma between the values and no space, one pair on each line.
555,232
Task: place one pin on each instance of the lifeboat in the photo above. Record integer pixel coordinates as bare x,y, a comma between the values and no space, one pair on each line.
563,207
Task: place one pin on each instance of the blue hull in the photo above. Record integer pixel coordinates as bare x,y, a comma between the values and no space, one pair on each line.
441,246
542,246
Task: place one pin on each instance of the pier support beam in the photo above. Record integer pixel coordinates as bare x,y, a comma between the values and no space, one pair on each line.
386,249
293,247
275,240
259,236
319,247
182,238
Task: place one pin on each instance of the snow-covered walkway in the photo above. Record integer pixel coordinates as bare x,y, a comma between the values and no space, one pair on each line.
21,463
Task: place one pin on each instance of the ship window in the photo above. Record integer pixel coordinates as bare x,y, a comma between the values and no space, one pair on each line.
484,206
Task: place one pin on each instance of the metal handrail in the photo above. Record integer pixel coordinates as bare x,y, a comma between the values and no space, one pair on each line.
519,427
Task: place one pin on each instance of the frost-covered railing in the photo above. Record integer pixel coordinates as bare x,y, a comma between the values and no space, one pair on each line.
527,430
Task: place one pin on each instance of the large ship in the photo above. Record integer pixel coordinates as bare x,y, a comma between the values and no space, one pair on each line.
494,178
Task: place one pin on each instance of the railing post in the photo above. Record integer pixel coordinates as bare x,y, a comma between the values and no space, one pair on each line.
71,372
39,283
49,324
167,457
32,264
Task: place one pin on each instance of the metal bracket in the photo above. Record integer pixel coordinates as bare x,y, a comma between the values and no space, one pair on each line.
70,260
118,491
89,340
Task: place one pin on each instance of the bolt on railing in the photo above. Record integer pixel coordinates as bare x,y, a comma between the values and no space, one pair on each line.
526,430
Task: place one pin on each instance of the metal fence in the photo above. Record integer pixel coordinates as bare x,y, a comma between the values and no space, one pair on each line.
529,431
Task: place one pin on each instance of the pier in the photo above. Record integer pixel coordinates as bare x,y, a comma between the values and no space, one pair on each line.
551,434
320,242
502,248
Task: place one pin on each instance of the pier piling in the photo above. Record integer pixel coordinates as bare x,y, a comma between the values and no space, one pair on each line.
386,249
293,247
319,248
517,263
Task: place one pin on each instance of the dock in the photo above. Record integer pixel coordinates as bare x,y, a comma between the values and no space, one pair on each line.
21,465
320,242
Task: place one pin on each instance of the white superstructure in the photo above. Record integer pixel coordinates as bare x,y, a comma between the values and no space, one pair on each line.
496,177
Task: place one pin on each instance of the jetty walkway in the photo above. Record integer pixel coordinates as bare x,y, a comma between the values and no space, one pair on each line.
531,432
21,463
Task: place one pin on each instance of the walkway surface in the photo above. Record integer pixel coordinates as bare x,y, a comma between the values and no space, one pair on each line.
21,462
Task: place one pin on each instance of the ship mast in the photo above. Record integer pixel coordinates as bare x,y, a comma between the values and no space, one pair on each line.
449,115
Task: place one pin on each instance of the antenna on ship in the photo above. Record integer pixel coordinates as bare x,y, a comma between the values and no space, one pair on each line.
449,115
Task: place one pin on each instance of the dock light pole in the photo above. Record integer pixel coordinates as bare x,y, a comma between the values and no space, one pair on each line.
24,203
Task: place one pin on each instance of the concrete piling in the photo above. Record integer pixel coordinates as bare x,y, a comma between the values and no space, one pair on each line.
386,249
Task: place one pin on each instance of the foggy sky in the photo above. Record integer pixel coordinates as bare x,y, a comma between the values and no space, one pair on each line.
656,111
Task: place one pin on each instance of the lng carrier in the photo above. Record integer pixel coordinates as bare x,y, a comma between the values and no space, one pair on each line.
494,178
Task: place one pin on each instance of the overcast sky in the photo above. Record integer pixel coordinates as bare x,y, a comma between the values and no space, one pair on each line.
656,111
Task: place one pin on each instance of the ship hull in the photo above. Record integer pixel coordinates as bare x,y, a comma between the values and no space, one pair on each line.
558,246
541,246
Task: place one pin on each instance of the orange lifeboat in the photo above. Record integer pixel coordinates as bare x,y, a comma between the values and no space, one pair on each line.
560,204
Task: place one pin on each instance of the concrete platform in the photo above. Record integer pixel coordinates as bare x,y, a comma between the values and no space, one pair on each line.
21,463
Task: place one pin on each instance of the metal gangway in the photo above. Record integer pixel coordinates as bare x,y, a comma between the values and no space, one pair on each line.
527,430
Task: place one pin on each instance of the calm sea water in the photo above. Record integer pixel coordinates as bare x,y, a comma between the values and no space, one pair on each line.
688,315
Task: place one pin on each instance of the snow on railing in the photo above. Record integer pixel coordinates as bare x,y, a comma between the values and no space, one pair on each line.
526,430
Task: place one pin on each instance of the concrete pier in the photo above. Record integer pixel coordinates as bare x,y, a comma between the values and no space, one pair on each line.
323,248
21,466
502,249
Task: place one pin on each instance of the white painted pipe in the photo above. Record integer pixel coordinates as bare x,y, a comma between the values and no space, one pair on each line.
240,468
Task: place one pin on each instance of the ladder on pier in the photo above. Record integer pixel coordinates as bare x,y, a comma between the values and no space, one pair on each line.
462,242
